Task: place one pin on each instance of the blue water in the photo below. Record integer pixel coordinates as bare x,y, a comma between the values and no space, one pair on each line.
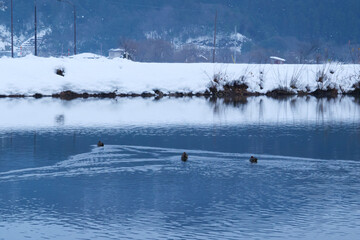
56,184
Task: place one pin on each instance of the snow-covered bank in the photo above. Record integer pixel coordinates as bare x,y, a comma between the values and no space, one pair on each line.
88,73
18,114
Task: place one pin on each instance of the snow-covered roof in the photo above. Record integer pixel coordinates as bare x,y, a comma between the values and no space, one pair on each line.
278,59
86,56
117,50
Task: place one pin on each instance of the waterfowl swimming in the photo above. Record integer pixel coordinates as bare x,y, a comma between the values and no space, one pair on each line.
253,159
100,144
184,157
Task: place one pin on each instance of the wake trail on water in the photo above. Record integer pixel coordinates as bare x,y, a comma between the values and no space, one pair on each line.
124,158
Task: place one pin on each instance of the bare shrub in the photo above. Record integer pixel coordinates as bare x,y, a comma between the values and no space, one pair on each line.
295,78
223,85
322,79
220,78
261,77
280,92
60,71
282,79
356,85
217,80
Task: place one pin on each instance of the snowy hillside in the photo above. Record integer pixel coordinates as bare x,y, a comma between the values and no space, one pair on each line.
277,27
4,38
197,47
232,41
23,43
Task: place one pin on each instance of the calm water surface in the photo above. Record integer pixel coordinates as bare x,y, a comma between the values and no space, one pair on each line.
56,184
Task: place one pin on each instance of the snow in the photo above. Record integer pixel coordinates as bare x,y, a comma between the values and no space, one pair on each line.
117,50
93,74
4,38
152,35
239,37
234,42
23,43
278,59
3,7
18,114
2,46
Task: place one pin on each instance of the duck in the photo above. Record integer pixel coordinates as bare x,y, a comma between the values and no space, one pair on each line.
100,144
184,157
253,159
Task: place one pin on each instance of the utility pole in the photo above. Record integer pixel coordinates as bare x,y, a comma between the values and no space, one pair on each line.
214,37
12,31
35,30
73,5
74,29
235,45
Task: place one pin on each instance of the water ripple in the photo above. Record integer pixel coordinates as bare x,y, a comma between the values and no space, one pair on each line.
137,192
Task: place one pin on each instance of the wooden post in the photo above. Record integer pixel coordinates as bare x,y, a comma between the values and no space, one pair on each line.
35,23
214,37
235,45
74,29
12,31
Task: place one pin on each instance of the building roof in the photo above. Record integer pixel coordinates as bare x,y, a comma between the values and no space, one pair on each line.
117,50
278,59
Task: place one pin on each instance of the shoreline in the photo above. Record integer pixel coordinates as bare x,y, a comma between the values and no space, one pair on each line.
210,93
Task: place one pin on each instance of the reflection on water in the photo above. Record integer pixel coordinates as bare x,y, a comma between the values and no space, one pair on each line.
56,184
52,113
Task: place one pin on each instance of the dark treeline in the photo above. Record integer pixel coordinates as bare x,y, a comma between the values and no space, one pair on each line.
298,30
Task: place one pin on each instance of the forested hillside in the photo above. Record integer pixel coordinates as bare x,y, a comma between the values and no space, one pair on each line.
300,30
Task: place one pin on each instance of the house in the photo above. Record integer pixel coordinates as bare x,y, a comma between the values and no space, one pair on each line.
277,60
119,53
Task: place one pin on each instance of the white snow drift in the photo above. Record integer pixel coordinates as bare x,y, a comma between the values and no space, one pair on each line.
93,74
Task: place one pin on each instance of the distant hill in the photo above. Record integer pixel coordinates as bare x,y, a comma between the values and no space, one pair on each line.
301,30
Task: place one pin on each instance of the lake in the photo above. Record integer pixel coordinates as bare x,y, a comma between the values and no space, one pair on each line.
57,184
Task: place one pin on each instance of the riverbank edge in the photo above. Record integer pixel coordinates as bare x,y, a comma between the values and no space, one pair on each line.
233,93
